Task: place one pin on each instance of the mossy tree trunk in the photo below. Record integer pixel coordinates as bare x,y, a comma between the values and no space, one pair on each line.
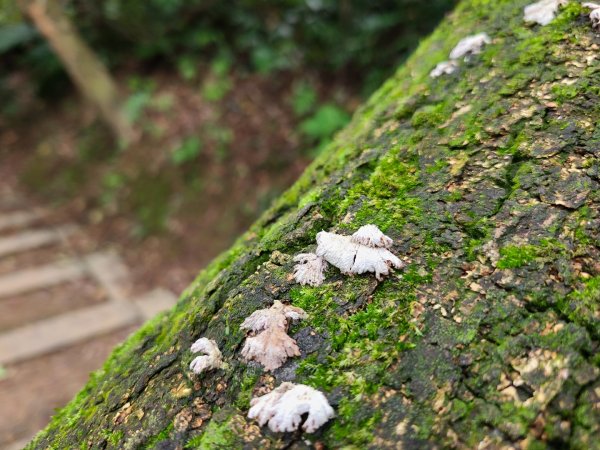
86,70
487,180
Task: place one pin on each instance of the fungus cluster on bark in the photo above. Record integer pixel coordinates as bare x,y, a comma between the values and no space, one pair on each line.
270,344
364,251
282,408
466,47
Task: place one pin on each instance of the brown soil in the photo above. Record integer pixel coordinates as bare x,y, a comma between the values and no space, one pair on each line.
29,395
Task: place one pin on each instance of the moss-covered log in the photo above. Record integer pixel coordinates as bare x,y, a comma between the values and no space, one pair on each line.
487,180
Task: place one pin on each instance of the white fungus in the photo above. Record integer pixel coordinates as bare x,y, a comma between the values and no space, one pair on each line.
284,406
470,45
444,68
270,345
542,12
310,269
594,15
212,358
352,256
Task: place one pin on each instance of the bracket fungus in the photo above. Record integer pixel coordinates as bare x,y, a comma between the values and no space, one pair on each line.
283,407
212,358
467,46
542,12
270,345
310,269
364,251
594,15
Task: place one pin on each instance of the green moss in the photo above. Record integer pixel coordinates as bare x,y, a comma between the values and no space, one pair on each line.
430,115
515,256
582,305
217,435
162,436
114,438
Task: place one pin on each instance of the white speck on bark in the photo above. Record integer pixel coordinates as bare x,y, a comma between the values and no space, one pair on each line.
594,15
542,12
444,68
270,345
470,45
310,269
212,358
282,408
466,47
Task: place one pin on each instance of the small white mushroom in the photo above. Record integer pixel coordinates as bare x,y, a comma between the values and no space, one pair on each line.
542,12
444,68
351,257
271,346
310,269
212,358
594,15
470,45
283,408
371,236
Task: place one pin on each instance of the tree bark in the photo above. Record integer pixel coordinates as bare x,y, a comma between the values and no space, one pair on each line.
487,180
85,69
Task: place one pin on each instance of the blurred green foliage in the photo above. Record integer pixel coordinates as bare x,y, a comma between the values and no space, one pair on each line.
366,38
187,150
320,127
304,98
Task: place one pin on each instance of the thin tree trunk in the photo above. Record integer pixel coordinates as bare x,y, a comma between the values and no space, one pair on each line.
487,180
85,69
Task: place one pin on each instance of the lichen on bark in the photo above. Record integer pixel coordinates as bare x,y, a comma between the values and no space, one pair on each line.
487,180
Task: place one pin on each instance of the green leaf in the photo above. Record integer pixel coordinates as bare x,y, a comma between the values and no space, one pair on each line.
304,98
186,151
326,121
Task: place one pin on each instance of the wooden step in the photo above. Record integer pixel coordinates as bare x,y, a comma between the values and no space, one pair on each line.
40,277
19,219
110,273
28,240
52,334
